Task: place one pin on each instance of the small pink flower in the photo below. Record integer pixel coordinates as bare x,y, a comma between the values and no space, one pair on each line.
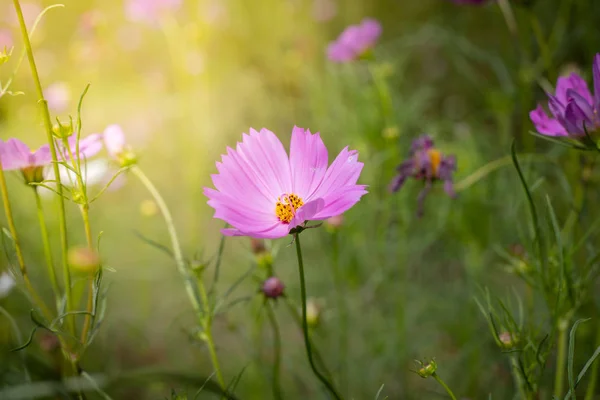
355,41
6,40
114,140
15,154
264,194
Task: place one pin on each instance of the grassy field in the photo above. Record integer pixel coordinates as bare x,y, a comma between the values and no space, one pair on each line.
389,286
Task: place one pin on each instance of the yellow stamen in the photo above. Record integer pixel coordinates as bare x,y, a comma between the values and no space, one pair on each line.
435,158
286,207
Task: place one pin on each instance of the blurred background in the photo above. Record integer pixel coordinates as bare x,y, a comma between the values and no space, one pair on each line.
186,79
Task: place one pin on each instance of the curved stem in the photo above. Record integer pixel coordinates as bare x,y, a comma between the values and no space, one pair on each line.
443,384
61,203
277,345
191,286
47,247
307,342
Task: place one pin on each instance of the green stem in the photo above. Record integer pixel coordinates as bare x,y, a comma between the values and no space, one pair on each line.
47,248
307,342
207,325
277,345
518,378
48,127
443,384
298,319
591,388
559,380
190,286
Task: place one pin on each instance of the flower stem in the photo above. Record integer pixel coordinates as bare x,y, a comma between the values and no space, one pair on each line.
48,127
47,247
591,388
559,380
307,342
443,384
277,345
87,322
191,286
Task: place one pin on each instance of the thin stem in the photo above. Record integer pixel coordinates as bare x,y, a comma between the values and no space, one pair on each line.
518,378
307,342
87,322
277,345
591,388
443,384
191,286
47,248
48,127
559,380
206,321
298,319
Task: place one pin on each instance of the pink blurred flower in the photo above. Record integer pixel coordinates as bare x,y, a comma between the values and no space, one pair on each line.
58,96
6,39
30,13
264,194
149,11
355,41
15,154
114,140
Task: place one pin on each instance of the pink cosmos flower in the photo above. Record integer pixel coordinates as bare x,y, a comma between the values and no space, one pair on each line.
58,96
355,41
16,155
114,140
264,194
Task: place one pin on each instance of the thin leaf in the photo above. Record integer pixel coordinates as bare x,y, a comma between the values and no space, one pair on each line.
584,370
571,355
154,244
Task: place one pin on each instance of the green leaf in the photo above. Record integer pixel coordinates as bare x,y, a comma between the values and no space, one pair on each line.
571,355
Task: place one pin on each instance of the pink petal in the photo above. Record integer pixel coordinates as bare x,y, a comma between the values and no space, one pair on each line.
344,171
15,155
307,212
114,140
574,82
308,161
42,156
546,125
340,201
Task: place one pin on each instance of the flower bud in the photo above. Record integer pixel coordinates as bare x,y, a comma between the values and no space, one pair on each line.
5,55
313,313
148,208
427,368
508,340
273,287
33,174
257,246
63,131
83,259
334,223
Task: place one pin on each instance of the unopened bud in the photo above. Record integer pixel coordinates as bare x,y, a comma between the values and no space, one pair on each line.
273,287
508,340
334,223
5,55
313,313
257,246
33,174
427,368
127,158
62,131
83,259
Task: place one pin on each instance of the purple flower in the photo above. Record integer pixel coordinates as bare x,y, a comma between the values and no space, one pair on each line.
149,10
264,194
426,163
355,41
574,109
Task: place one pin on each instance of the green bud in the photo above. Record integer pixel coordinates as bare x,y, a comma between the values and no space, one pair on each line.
127,158
427,368
78,197
63,131
508,340
83,259
5,55
33,174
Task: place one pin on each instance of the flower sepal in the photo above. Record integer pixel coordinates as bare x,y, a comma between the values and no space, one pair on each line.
5,55
426,368
34,174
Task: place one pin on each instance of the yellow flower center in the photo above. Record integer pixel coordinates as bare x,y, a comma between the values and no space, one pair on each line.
435,158
286,207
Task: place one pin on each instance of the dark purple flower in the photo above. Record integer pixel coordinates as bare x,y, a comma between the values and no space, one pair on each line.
428,164
273,287
573,107
355,41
